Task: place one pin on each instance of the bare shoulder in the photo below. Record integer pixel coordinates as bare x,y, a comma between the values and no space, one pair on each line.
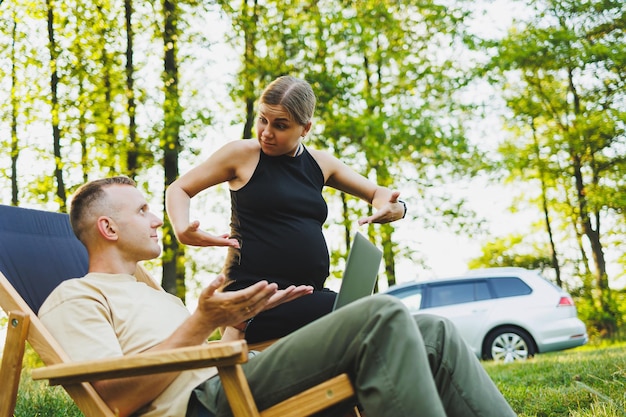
242,156
241,145
236,152
327,161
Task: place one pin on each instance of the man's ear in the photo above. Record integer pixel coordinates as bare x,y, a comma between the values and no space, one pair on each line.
107,228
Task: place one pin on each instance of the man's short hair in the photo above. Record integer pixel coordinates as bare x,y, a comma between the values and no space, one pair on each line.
85,199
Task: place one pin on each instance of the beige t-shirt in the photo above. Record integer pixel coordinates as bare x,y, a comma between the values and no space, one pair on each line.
107,315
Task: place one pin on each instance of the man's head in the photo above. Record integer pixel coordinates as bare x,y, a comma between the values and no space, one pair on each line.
90,201
113,212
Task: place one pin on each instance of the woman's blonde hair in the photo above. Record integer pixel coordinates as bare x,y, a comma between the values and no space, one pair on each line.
294,94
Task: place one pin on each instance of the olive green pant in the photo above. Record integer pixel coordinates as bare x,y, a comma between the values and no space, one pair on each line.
400,365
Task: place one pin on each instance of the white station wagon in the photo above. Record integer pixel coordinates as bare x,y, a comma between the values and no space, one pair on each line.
505,314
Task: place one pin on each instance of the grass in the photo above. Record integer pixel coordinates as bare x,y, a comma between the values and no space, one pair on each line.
37,399
584,382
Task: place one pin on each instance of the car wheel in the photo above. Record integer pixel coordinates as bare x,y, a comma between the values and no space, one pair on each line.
508,344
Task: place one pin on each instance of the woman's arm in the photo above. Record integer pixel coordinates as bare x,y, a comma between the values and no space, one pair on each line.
226,164
338,175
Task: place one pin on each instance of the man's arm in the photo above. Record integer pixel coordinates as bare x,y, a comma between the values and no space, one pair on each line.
215,309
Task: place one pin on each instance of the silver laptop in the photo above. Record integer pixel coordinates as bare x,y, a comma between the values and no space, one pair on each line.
359,277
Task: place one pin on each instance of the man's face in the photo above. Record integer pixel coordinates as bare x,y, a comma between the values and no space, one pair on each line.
136,226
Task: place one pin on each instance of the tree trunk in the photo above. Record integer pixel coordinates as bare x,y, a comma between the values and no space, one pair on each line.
54,103
131,106
173,269
545,208
249,21
15,150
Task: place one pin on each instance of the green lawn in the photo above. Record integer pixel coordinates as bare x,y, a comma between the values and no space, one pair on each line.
585,382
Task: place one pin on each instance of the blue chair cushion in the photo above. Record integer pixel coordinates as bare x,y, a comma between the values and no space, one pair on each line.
38,251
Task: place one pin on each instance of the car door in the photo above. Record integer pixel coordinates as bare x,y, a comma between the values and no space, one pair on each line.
467,303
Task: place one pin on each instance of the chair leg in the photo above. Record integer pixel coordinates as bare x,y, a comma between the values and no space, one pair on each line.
355,413
238,391
13,354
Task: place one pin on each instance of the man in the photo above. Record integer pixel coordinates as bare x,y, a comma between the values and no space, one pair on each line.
400,366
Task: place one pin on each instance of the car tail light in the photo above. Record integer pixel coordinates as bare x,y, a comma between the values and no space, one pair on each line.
565,302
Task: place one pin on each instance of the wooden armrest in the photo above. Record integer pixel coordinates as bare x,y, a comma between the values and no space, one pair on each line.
211,354
315,399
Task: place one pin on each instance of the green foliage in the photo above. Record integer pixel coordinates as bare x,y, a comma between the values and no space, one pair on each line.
385,80
579,382
602,324
512,251
595,319
31,358
562,73
391,80
38,399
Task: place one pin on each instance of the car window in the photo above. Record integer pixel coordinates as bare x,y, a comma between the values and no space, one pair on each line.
509,287
411,297
455,293
458,292
481,291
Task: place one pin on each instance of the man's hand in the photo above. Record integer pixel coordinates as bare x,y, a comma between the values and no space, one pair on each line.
194,236
288,294
230,308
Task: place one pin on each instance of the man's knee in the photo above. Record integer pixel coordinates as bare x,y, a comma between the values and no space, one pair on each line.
438,327
441,337
432,320
384,302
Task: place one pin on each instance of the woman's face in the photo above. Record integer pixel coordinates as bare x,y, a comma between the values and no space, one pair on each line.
277,132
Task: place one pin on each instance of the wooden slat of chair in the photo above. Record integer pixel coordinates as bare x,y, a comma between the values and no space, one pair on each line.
341,387
238,392
230,355
337,389
13,354
236,386
168,360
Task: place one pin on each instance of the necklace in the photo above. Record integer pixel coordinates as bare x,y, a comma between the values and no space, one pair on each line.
298,150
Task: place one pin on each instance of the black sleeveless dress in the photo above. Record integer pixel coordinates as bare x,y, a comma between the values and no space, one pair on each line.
277,218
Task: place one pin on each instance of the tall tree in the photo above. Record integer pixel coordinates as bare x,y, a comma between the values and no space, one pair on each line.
15,151
54,103
132,158
393,84
375,69
173,268
545,207
565,69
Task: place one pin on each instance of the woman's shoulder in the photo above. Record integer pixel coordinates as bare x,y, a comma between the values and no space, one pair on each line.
235,152
324,159
239,145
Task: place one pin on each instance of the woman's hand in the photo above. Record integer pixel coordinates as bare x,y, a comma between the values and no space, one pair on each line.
194,236
391,211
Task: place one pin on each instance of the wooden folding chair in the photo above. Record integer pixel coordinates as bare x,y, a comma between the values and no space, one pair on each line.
37,251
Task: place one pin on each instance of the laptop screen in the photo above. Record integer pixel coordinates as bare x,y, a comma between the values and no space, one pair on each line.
359,277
